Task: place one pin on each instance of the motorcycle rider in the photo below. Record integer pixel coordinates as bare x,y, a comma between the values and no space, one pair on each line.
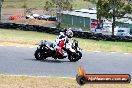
61,41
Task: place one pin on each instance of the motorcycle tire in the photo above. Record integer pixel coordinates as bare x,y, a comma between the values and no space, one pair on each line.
38,55
75,57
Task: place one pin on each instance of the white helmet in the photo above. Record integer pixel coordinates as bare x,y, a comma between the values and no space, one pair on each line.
69,33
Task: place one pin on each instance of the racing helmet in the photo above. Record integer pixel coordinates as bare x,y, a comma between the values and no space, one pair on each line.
69,33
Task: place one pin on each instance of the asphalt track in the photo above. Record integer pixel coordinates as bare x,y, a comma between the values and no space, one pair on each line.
21,61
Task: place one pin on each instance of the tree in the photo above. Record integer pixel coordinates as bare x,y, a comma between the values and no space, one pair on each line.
62,4
48,5
1,2
24,6
113,9
59,5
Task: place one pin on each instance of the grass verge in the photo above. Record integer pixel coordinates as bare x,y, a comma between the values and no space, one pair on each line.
29,37
50,82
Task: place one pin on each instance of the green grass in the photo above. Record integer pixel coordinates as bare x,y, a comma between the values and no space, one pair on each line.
50,82
77,4
24,37
94,45
29,37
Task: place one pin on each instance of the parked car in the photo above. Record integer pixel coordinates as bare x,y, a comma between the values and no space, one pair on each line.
47,18
107,30
52,18
29,17
32,16
43,17
35,15
40,17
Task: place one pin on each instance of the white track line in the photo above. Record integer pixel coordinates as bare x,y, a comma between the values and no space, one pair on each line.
113,52
25,46
126,53
96,51
1,45
107,52
18,46
31,47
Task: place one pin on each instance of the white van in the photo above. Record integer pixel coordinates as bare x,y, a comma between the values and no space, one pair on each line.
118,31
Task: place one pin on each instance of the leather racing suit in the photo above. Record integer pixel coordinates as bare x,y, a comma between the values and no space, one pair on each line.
60,42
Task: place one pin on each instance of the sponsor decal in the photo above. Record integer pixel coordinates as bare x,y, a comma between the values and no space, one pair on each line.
83,78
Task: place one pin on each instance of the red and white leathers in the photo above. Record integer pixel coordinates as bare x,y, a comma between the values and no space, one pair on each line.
60,42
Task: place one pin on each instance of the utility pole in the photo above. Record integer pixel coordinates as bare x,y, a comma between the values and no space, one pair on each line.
1,2
113,16
24,6
58,10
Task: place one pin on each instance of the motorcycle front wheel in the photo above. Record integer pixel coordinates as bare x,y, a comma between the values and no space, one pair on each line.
75,57
39,55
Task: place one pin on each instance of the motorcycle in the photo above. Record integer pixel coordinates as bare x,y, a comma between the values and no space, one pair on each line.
45,49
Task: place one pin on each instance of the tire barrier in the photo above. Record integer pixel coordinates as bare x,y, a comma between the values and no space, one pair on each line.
56,31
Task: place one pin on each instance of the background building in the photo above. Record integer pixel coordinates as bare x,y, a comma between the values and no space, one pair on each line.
87,19
84,18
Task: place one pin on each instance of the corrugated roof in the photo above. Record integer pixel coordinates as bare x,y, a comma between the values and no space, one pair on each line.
81,14
90,11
